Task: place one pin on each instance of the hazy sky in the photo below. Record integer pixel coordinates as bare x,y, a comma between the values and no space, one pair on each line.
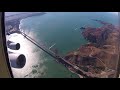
114,12
11,13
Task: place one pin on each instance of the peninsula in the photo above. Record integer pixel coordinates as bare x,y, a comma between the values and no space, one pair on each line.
100,57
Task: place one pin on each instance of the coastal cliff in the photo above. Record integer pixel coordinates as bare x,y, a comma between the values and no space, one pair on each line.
101,54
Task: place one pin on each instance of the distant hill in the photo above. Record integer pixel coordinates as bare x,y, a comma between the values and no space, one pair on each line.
12,21
20,15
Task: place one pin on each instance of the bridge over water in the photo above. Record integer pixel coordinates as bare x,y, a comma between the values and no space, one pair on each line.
61,60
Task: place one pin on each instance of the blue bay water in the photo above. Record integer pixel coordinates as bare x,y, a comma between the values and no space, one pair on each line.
62,28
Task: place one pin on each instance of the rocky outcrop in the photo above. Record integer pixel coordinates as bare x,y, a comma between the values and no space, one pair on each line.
97,35
101,54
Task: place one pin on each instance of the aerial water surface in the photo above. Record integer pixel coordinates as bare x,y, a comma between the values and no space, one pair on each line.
61,29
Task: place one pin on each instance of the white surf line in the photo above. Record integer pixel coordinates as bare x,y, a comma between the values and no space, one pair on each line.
52,45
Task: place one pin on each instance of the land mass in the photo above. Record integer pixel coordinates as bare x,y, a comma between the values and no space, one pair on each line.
99,57
12,22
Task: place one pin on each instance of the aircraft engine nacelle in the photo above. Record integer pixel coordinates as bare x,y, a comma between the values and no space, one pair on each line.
17,60
14,46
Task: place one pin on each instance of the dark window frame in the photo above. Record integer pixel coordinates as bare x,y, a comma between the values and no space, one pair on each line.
4,43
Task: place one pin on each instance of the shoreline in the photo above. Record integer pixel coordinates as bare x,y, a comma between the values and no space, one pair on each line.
101,42
15,29
12,22
95,56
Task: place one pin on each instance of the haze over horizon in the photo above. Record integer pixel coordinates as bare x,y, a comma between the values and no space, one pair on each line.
12,13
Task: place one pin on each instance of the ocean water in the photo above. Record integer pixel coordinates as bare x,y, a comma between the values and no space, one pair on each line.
61,28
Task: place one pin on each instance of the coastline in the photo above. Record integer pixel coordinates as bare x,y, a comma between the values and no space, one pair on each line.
12,22
93,58
90,45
